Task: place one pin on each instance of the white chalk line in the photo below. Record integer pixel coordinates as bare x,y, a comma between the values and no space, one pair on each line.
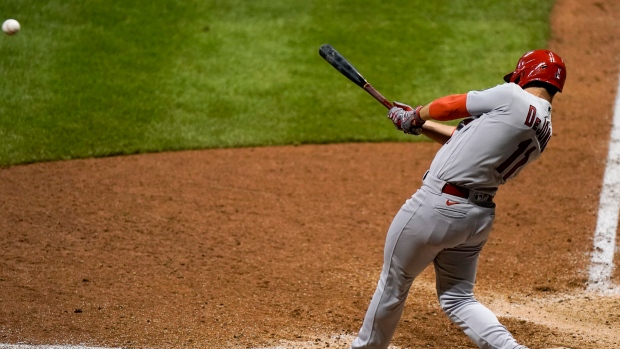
322,341
27,346
602,261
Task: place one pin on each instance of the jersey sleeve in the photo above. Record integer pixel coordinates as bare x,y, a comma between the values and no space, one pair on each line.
480,102
449,108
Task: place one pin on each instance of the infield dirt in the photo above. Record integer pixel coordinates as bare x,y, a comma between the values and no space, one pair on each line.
282,246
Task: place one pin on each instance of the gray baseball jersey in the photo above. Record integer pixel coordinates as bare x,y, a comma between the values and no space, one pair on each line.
509,130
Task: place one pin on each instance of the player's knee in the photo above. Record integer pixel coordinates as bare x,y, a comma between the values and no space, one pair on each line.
451,302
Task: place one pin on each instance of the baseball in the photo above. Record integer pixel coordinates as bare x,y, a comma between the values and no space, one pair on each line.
10,26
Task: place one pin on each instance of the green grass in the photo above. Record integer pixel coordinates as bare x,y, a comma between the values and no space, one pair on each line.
105,77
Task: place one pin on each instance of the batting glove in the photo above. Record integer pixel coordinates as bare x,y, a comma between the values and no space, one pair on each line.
406,119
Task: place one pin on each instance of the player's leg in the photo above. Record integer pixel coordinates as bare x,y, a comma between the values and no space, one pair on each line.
455,270
405,256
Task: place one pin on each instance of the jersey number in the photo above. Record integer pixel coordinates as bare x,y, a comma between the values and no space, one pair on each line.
520,150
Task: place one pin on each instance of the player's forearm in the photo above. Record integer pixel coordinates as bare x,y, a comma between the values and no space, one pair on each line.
410,120
440,133
446,108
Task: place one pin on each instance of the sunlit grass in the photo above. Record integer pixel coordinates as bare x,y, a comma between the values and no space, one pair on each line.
107,77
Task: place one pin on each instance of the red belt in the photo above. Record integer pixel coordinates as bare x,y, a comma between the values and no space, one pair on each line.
456,191
478,198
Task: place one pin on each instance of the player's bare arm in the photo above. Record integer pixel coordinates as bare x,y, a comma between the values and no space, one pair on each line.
438,132
443,109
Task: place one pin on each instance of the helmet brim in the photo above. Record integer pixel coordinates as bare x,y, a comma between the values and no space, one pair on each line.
508,76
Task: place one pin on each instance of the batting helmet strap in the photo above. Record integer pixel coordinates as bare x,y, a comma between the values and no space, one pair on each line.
539,65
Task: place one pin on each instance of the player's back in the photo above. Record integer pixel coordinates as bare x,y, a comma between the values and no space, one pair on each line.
510,129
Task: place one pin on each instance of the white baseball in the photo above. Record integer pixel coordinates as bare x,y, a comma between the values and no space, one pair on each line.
10,26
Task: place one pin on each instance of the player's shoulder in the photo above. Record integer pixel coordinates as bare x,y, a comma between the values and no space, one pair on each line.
506,88
502,92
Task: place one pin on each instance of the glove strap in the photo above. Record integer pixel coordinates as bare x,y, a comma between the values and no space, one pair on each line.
417,120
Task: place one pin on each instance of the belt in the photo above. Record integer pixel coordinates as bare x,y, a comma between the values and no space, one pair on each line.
456,191
465,193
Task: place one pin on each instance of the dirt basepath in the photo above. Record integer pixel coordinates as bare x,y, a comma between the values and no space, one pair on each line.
253,247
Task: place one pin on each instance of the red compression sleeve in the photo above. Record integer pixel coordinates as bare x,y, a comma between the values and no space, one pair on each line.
449,108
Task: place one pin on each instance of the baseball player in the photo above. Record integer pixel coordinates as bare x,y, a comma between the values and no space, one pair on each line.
448,220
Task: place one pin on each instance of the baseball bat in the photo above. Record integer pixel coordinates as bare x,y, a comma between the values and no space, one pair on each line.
345,68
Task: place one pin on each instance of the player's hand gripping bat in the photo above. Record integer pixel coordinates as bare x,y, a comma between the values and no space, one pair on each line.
343,66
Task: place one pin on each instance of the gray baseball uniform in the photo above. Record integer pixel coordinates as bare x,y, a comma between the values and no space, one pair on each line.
448,220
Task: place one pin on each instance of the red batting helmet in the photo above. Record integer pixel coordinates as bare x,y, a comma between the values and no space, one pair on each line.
539,65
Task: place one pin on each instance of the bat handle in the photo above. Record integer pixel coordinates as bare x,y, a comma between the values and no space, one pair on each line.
378,96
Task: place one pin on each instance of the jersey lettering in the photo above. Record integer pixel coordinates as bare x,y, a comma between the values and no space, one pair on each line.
531,115
544,135
521,148
543,132
523,161
536,124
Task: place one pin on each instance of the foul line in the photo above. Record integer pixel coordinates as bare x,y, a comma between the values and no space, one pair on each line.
602,262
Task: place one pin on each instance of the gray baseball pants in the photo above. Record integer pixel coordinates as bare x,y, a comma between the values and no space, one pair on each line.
427,230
